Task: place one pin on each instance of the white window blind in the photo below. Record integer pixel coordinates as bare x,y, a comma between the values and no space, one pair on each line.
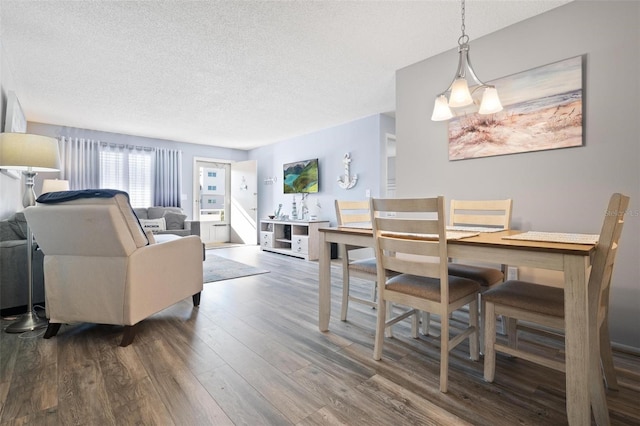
129,170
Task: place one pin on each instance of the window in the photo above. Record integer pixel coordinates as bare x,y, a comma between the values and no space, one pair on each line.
128,170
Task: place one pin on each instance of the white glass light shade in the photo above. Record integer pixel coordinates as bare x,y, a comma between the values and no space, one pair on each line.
441,110
460,95
54,185
490,101
27,152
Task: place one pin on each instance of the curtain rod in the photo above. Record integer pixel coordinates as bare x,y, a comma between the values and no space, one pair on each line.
121,145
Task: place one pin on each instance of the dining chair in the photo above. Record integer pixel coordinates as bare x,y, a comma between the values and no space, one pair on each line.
355,213
544,305
473,214
480,213
410,241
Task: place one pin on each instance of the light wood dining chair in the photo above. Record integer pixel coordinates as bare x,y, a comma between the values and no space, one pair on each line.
480,213
355,213
477,213
544,305
410,240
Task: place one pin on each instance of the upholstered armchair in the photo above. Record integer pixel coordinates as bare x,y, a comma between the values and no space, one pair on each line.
100,267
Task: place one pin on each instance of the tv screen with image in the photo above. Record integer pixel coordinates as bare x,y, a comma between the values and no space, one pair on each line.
301,177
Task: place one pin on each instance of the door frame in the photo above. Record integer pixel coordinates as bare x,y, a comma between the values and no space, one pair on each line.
196,181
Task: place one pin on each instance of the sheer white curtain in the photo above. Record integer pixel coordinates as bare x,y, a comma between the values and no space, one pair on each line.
128,168
167,178
80,162
151,176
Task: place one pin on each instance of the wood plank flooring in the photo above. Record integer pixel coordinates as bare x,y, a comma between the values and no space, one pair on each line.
251,354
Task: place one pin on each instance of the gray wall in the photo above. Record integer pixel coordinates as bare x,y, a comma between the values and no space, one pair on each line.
361,138
189,151
559,190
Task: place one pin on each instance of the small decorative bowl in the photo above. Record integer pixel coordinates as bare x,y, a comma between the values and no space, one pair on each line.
271,216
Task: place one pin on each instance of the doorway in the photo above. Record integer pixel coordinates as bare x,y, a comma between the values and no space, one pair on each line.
389,187
225,200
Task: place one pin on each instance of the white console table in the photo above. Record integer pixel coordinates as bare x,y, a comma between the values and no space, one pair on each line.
297,238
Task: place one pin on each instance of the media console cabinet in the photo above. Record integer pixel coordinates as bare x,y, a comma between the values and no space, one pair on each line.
297,238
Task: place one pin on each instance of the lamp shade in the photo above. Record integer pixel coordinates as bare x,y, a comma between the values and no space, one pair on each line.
54,185
27,152
460,95
441,110
490,102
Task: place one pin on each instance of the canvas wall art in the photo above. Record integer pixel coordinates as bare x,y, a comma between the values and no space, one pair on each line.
542,111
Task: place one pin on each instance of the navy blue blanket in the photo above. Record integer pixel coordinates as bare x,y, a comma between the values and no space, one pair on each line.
62,196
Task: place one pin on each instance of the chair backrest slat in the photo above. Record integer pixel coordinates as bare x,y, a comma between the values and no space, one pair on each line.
494,213
350,212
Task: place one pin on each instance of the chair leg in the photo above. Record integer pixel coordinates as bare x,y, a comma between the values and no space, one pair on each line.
606,358
426,322
489,341
196,299
415,324
380,330
444,352
52,330
345,293
388,332
474,338
129,334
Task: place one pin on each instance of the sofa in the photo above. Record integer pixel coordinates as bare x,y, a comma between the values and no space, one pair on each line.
13,267
167,220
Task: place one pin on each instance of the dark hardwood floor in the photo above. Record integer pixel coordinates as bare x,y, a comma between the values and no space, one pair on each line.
251,354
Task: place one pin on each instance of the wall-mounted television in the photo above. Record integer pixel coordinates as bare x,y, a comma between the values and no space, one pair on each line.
301,177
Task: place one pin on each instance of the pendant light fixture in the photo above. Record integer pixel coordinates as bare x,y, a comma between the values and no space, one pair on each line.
458,92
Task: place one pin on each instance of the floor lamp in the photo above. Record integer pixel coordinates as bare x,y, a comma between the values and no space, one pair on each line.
30,154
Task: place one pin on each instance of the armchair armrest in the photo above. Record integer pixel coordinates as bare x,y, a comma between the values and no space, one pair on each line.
161,274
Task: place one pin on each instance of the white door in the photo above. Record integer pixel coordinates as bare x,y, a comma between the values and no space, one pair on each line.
212,200
244,202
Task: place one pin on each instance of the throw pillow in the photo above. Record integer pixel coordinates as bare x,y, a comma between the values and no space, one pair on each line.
153,225
174,220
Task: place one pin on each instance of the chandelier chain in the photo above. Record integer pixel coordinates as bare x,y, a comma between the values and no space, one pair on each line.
464,38
462,27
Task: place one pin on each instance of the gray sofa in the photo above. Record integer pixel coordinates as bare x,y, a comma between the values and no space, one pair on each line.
174,219
13,266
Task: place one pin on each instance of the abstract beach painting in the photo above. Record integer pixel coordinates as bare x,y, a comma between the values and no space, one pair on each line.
542,110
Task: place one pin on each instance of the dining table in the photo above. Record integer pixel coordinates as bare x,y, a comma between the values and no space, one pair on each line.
584,384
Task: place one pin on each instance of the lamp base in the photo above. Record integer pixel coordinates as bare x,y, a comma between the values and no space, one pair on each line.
28,321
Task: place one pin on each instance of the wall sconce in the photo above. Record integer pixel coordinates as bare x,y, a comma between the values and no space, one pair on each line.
270,180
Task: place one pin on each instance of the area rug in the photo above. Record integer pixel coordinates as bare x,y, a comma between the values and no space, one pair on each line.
217,268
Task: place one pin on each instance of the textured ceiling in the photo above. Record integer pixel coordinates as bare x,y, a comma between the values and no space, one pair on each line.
237,74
